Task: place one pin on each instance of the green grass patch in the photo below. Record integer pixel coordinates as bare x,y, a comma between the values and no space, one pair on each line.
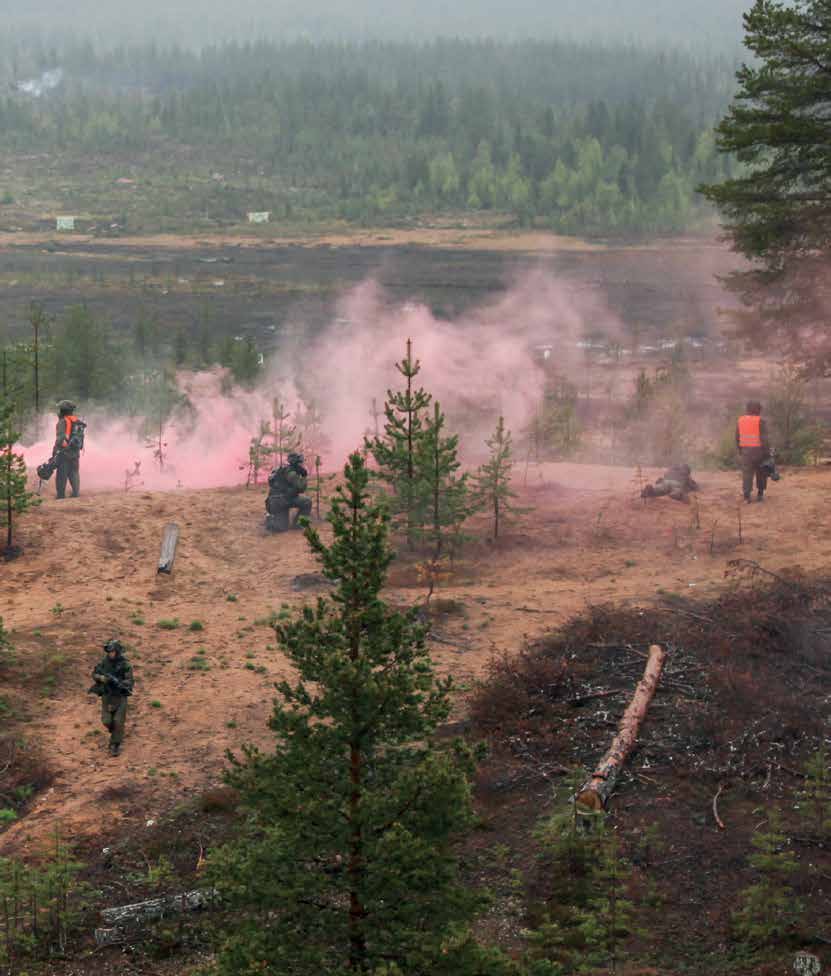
168,624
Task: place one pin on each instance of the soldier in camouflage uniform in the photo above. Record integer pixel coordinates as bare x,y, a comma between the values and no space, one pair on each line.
113,677
285,492
66,451
675,482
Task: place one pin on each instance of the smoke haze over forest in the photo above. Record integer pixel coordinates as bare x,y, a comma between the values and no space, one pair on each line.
714,23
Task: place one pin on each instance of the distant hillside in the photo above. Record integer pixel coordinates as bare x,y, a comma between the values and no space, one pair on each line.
711,23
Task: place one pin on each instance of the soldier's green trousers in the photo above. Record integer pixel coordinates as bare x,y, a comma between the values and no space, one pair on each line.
114,715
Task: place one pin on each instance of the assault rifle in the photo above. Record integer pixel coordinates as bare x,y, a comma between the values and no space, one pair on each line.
108,679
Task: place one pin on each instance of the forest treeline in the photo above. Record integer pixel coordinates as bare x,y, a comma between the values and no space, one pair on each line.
579,138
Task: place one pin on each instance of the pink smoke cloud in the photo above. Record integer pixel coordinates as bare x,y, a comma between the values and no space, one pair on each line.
478,367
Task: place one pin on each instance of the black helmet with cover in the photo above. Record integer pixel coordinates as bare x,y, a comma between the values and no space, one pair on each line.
114,646
65,408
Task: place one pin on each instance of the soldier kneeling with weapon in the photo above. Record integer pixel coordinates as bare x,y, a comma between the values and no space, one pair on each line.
285,492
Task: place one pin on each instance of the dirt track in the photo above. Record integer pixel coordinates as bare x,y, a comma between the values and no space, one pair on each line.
589,540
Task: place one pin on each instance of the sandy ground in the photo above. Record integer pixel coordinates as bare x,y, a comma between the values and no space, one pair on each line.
89,573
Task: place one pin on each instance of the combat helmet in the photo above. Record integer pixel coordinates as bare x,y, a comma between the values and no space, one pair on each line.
295,458
65,407
114,645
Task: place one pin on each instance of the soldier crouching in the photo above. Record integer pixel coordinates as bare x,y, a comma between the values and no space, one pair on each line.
113,682
286,485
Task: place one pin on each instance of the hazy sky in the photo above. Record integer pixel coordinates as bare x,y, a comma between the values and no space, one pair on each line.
712,23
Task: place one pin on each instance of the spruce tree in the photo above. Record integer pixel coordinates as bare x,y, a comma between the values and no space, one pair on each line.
395,452
347,865
443,497
15,498
492,482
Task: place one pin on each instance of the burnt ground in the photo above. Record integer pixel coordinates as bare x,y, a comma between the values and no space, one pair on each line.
268,288
744,700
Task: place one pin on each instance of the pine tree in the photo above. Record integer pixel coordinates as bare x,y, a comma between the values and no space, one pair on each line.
395,452
311,438
347,864
815,796
608,917
769,907
15,498
259,453
443,497
777,207
492,482
286,438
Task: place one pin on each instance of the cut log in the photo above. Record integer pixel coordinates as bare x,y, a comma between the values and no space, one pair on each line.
147,911
168,554
594,794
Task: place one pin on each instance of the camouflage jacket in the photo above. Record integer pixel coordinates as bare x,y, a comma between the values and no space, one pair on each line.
121,670
287,482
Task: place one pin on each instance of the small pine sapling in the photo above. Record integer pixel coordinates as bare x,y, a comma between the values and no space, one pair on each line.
443,494
285,438
320,483
491,489
375,413
395,451
815,796
132,478
15,497
346,863
769,908
586,914
311,438
260,453
6,648
608,917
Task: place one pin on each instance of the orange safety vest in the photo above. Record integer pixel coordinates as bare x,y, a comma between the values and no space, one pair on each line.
750,431
69,422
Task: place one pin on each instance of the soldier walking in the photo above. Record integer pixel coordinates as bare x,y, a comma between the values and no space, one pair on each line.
113,677
754,450
285,492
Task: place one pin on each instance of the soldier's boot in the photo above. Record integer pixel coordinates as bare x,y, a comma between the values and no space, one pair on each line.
760,496
115,748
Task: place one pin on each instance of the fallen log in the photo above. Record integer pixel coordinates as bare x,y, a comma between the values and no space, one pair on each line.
168,553
595,792
147,911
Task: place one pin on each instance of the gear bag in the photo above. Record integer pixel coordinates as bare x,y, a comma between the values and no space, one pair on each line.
75,436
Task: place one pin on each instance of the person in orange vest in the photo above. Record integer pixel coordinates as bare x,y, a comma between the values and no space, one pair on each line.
754,449
69,442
